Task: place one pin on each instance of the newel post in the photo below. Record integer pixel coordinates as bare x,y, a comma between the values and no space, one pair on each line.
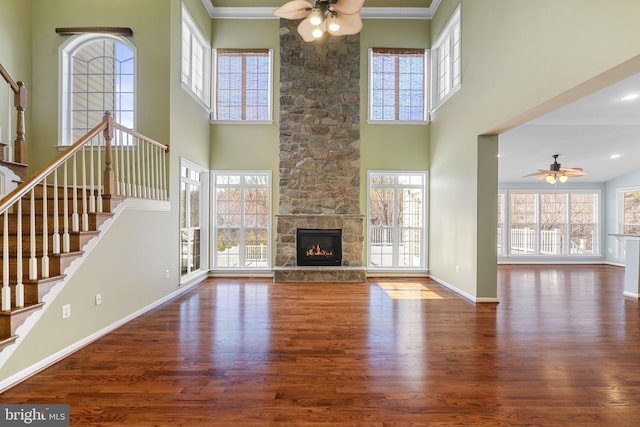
20,144
109,178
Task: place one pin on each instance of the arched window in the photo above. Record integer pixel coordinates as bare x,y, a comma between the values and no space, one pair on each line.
98,75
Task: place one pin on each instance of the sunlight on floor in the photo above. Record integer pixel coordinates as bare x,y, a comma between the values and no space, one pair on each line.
408,291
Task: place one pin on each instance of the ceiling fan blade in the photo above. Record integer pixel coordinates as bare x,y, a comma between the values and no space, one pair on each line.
295,9
349,24
348,7
573,171
305,29
540,172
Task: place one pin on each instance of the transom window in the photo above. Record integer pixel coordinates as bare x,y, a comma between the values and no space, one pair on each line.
445,60
99,76
559,223
397,84
242,220
396,220
242,85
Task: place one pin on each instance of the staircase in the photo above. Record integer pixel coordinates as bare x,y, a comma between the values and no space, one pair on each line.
49,218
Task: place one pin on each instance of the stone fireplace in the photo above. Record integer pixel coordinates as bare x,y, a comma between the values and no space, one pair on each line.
319,187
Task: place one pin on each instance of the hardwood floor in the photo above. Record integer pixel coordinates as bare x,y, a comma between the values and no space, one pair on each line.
561,348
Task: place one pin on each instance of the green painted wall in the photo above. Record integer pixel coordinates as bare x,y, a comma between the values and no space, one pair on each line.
149,20
519,60
15,56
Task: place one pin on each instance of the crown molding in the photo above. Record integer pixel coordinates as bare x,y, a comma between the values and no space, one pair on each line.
367,12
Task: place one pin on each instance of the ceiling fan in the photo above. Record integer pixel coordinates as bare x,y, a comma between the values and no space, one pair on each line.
557,173
338,17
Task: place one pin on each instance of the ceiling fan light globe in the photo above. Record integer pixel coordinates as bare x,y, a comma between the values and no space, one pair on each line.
563,178
317,32
334,26
316,17
551,179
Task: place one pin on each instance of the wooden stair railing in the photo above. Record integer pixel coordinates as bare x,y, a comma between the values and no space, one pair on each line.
47,220
13,156
20,103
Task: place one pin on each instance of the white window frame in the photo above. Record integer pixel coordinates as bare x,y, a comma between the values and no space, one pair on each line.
502,226
203,183
566,249
195,70
67,50
214,106
425,95
214,235
446,58
620,224
395,229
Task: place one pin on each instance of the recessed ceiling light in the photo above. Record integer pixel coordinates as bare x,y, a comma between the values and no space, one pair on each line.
630,97
614,156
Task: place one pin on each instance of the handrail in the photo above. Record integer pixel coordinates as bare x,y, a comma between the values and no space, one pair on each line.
9,79
141,136
27,185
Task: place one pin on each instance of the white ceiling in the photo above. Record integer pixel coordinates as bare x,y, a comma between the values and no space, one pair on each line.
585,133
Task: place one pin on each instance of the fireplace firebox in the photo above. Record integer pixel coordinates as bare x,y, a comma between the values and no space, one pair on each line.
319,247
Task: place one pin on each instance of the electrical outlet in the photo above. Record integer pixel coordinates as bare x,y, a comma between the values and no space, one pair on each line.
166,273
609,250
66,311
457,269
98,299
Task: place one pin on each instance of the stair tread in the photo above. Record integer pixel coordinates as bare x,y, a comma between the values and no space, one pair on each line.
20,310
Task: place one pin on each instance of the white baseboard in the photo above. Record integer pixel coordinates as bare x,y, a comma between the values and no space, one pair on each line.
50,360
631,295
466,295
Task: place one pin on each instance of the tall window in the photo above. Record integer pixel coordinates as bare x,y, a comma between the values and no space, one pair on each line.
562,223
98,76
192,219
396,217
397,84
628,215
242,220
501,222
243,85
445,60
195,59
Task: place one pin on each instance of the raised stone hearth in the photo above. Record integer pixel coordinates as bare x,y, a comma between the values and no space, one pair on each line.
351,270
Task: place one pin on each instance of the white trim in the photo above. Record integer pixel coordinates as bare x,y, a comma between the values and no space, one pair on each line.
216,12
452,27
631,295
188,23
50,360
466,295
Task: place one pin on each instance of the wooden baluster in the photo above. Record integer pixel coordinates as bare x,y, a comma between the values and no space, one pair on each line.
6,289
85,214
92,187
66,243
137,168
99,189
56,220
75,217
109,179
20,144
33,261
126,165
45,230
164,174
154,174
145,159
19,285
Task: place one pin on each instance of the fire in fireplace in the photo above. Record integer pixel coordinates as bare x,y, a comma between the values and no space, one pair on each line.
319,247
